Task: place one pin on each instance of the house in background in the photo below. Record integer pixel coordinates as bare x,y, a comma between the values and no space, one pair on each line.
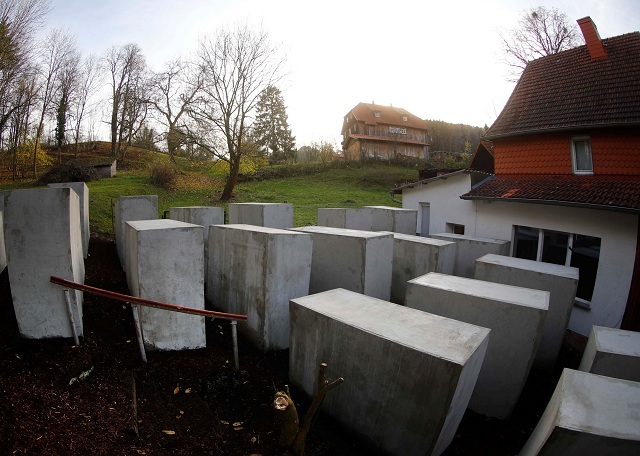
374,131
566,190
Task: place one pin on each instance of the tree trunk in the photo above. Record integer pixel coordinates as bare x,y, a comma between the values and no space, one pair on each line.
234,169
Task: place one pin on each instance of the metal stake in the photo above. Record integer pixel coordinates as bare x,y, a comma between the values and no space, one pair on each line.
136,321
234,336
72,320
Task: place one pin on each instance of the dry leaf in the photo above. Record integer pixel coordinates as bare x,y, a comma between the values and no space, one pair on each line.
177,390
181,412
253,440
237,423
169,432
238,428
224,422
187,391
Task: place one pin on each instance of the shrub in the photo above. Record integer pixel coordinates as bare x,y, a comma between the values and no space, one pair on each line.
72,171
163,174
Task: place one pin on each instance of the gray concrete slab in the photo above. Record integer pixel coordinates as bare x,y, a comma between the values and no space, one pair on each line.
271,215
414,256
166,263
613,353
129,208
560,281
83,193
360,261
394,219
43,239
344,217
588,414
408,374
255,270
3,250
515,316
470,248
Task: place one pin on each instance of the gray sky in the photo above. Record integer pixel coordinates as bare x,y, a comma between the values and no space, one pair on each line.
438,59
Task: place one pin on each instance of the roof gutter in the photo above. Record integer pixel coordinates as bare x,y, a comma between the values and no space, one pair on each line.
553,203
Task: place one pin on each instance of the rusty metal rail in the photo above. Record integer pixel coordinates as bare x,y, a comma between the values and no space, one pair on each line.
135,301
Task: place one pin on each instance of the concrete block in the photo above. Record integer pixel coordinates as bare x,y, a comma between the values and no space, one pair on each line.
349,218
359,261
588,414
271,215
394,219
471,248
203,216
515,316
83,193
414,256
408,374
613,353
560,281
43,239
165,263
256,271
3,250
128,208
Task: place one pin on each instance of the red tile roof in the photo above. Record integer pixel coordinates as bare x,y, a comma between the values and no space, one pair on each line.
365,112
621,193
569,90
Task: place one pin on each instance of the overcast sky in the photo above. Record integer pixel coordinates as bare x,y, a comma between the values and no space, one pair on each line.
437,59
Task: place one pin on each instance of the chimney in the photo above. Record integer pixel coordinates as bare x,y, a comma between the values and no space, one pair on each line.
592,38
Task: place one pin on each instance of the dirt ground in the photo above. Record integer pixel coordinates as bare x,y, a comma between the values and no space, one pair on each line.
186,403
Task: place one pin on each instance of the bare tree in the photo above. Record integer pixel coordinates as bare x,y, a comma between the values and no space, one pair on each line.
67,80
87,81
237,66
540,32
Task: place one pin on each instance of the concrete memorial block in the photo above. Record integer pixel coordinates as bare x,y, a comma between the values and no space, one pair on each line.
349,218
83,193
256,271
43,239
166,263
414,256
515,316
394,219
129,208
3,251
271,215
588,414
200,215
471,248
408,374
359,261
613,353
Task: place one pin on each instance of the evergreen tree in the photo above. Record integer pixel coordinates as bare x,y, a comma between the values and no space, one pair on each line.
271,128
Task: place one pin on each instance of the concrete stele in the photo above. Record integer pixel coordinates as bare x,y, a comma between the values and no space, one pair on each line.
613,353
470,248
588,414
414,256
271,215
256,271
408,374
356,260
349,218
515,316
83,193
130,208
560,281
3,250
43,239
166,263
394,219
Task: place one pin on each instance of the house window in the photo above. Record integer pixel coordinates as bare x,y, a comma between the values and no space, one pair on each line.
576,250
455,228
402,131
376,114
581,155
405,118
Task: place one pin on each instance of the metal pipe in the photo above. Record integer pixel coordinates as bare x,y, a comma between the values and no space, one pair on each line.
72,320
136,321
234,336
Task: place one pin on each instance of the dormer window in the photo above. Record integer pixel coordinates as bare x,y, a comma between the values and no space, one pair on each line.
405,118
581,156
376,114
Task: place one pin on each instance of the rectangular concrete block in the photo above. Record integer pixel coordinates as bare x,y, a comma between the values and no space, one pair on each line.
83,193
359,261
130,208
408,374
349,218
560,281
588,414
613,353
470,248
271,215
394,219
166,263
3,250
256,271
414,256
43,239
515,316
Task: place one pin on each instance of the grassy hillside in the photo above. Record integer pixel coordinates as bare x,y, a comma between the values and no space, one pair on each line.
200,185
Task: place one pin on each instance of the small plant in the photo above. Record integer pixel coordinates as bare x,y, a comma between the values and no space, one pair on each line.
163,175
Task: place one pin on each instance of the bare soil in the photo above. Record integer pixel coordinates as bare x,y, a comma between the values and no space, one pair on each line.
186,403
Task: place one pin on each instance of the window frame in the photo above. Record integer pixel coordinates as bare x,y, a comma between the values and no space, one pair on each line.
574,157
